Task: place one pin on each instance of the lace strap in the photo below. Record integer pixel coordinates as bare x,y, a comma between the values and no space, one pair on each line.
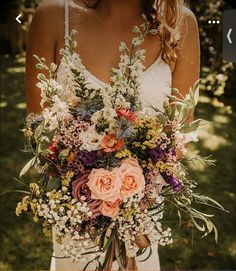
66,10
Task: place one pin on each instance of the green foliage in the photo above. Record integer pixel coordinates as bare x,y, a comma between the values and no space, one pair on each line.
215,71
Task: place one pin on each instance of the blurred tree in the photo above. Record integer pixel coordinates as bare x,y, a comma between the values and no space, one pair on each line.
215,71
31,3
11,32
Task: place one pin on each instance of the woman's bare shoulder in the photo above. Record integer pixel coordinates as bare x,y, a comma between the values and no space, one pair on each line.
50,12
189,17
49,19
49,5
189,25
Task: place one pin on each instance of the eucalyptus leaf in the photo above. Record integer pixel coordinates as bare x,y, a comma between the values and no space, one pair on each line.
206,200
64,153
176,92
53,183
180,218
161,118
196,90
200,228
28,166
39,130
194,126
15,191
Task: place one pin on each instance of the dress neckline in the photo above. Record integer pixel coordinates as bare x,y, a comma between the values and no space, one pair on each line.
90,74
102,83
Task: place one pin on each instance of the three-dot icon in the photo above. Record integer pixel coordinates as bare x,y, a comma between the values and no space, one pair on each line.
214,21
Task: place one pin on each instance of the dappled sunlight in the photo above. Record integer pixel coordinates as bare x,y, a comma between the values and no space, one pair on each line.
20,59
5,266
232,248
220,119
212,141
3,104
215,103
15,70
231,195
21,106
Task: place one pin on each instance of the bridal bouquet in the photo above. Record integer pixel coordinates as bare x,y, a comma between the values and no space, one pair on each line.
106,168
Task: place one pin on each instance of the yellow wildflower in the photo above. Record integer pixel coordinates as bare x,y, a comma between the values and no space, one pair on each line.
19,209
129,213
160,166
34,188
123,153
67,180
55,195
35,218
47,231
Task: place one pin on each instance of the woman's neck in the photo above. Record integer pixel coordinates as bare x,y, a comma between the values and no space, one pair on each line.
120,8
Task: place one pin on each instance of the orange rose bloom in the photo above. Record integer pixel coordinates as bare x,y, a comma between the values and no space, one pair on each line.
133,181
111,143
104,184
110,209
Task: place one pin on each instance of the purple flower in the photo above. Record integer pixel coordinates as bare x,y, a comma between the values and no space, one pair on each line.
88,158
173,182
80,188
157,154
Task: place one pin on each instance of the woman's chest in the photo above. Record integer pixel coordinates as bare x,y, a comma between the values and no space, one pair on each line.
98,46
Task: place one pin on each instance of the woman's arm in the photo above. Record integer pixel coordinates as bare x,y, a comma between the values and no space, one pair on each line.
42,41
187,67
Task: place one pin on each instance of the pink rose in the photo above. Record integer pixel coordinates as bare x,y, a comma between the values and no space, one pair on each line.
110,209
80,188
133,181
104,184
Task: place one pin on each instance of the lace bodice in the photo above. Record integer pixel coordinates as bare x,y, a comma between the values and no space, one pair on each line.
155,83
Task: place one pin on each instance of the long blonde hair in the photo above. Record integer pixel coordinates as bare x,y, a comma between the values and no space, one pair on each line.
166,15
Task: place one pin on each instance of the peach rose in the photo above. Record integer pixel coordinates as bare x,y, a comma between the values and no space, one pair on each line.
111,143
110,209
104,184
133,181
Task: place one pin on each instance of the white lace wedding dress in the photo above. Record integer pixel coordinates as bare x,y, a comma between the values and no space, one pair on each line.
156,83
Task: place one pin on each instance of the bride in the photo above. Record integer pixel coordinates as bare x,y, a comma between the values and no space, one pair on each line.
172,58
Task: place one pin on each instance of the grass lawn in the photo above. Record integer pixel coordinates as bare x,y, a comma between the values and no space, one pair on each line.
23,245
